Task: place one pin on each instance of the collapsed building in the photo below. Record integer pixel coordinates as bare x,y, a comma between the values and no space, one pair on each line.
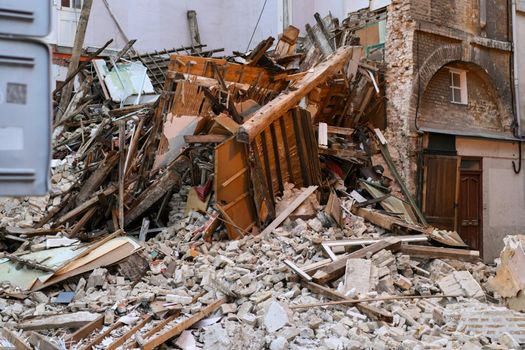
300,195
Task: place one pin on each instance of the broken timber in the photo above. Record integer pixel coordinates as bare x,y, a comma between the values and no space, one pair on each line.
286,101
371,311
417,251
337,268
182,326
290,209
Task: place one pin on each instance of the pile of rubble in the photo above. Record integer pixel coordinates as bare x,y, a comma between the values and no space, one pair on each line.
249,204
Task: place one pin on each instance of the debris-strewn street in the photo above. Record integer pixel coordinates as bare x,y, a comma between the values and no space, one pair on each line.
258,200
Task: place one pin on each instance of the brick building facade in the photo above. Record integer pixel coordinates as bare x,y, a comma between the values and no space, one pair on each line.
450,113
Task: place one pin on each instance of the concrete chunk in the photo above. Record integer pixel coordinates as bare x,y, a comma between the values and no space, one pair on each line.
358,275
275,318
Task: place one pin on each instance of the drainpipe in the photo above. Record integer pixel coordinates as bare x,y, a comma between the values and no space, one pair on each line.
516,69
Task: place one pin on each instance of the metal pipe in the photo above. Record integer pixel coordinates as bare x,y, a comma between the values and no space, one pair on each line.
516,69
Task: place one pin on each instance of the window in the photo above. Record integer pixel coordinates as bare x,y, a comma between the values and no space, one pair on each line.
458,86
75,4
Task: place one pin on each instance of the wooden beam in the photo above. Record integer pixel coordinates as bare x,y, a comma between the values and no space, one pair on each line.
82,222
14,339
418,251
121,171
72,320
182,326
83,207
151,195
370,300
286,101
158,327
369,310
75,57
408,196
40,342
231,72
81,66
120,341
388,222
194,30
210,138
87,330
297,270
99,338
290,209
337,268
96,178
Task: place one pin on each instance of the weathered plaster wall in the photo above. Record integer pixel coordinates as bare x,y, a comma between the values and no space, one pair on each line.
503,191
159,24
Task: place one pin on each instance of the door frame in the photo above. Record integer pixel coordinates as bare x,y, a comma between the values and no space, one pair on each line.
480,204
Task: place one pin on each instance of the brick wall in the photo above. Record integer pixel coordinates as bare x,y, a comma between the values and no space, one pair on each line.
464,16
422,37
482,113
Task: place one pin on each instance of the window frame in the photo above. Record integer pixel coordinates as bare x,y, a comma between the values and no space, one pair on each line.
462,87
71,4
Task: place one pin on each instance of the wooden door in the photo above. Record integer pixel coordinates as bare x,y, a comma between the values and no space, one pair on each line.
470,212
439,192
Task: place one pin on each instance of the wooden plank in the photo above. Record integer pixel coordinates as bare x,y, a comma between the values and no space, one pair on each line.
337,268
81,66
286,101
418,251
87,330
227,123
40,342
370,300
404,189
194,30
99,338
96,178
75,57
151,195
369,310
368,241
297,270
82,222
290,209
30,232
231,72
14,339
340,131
154,330
257,53
182,326
210,138
83,207
121,171
120,341
72,320
386,221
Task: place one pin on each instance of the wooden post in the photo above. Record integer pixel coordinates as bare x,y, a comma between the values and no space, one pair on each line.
75,56
194,31
121,171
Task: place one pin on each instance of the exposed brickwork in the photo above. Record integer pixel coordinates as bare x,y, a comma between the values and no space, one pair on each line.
423,36
482,319
481,114
399,81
